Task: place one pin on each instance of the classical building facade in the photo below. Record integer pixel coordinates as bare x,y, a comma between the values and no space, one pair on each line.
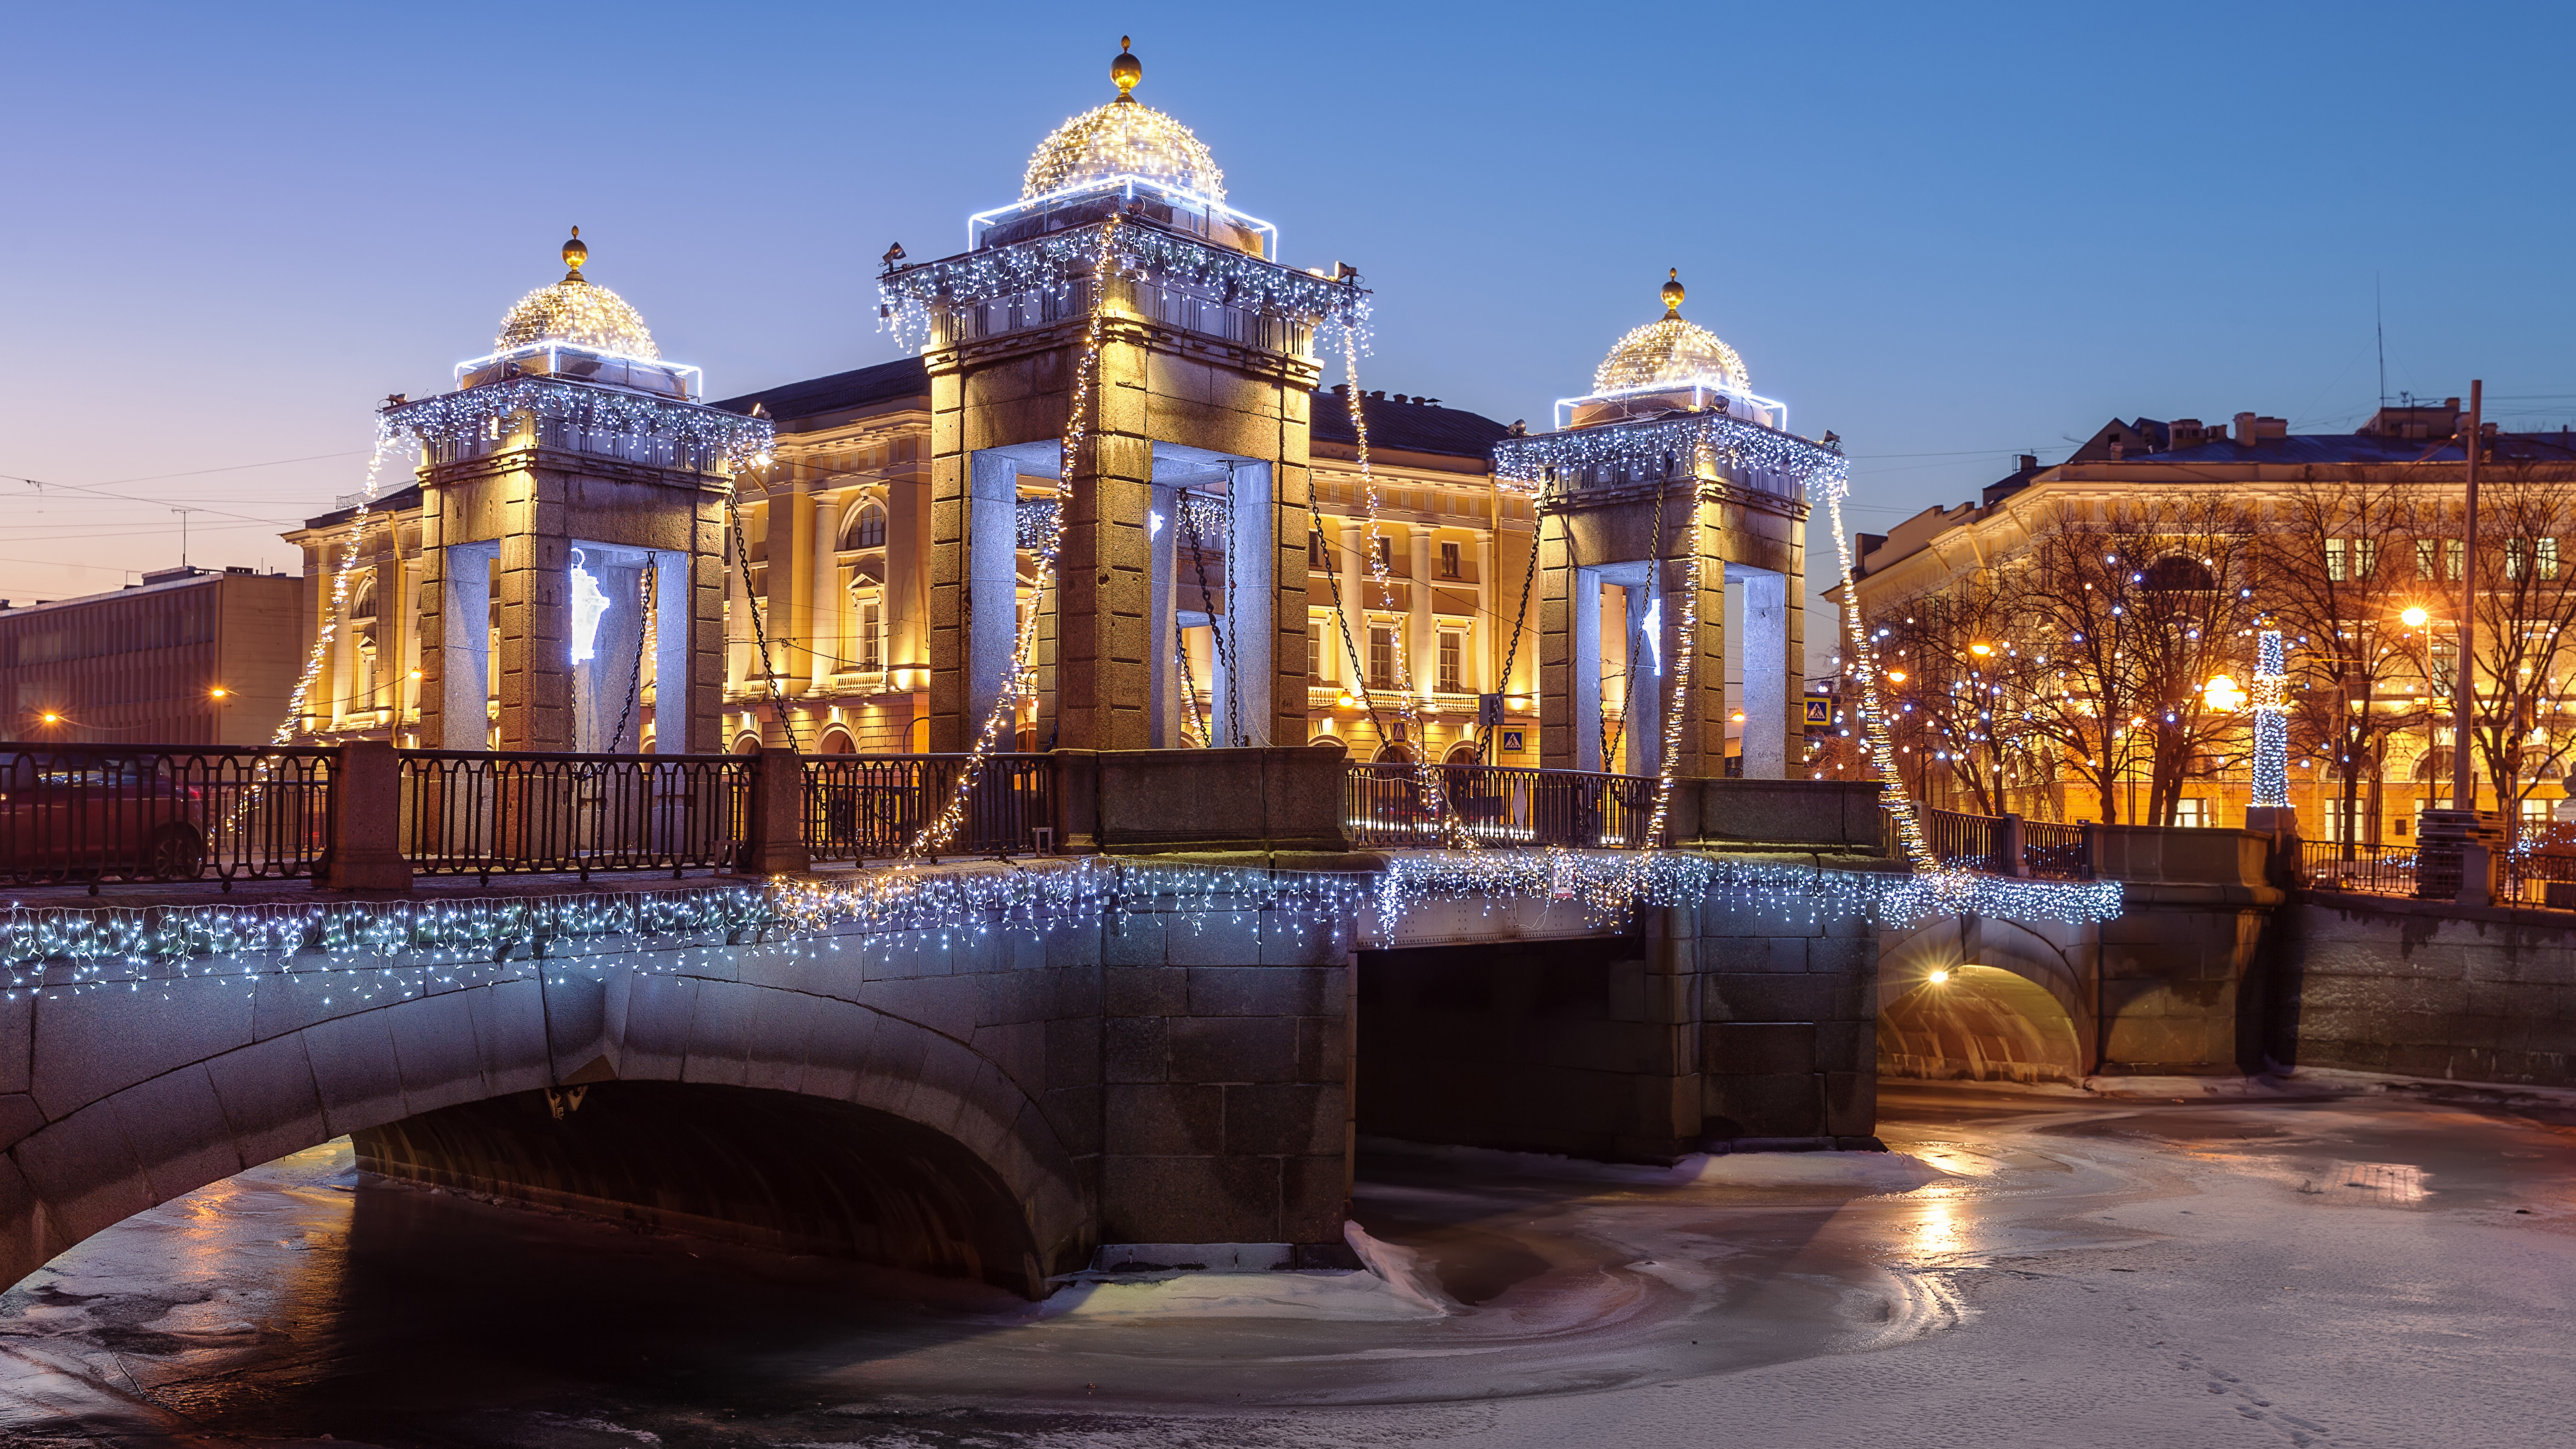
2349,544
1217,555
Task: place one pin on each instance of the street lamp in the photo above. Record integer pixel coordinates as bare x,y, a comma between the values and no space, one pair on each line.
2223,694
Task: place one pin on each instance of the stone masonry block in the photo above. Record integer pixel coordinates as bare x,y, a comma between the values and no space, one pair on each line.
1257,990
1284,1119
1133,940
435,1051
1756,1049
1215,940
355,1067
85,1172
1234,1049
1147,990
1190,1199
1164,1120
510,1035
1138,1049
178,1132
269,1098
839,1045
88,1047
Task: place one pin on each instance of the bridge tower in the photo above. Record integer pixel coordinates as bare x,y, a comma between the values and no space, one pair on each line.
572,481
1196,418
1670,459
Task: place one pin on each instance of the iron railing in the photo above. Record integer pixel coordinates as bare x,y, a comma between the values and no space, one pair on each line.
862,807
1385,804
71,813
2056,852
2385,870
1967,842
466,812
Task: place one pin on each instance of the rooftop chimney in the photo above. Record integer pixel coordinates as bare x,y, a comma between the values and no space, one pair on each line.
2030,462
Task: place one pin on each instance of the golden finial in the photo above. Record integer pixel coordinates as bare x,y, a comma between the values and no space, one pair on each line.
1673,293
574,254
1126,70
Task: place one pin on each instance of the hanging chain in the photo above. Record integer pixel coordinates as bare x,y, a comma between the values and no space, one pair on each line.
1350,646
1520,620
1189,685
759,635
644,631
1207,605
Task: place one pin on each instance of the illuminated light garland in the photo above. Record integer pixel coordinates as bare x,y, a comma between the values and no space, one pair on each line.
1677,712
1668,443
1048,526
1671,351
577,311
468,415
1124,137
1864,668
1426,773
401,949
1054,265
2271,700
388,444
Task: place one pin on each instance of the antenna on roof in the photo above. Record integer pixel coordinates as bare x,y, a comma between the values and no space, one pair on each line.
2379,323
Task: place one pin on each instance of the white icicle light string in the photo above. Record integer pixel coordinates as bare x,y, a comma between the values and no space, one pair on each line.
1086,374
1873,716
406,947
1426,775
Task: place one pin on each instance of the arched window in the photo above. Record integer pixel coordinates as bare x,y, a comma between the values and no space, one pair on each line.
1465,752
866,528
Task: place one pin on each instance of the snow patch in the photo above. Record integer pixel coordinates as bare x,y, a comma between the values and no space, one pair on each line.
1869,1172
1332,1296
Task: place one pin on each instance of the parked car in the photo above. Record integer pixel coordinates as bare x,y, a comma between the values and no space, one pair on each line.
78,816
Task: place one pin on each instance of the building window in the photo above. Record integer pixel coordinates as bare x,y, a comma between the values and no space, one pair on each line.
1381,659
1448,560
1449,652
1315,551
871,635
2451,551
1314,655
2194,813
867,528
2537,555
1385,558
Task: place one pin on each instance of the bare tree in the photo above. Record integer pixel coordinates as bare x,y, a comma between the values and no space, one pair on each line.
2335,569
2521,724
2129,608
1959,708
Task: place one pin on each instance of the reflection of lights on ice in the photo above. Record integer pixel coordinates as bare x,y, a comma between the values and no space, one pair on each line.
588,603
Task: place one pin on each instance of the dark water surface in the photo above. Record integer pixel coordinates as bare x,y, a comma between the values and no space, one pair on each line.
295,1302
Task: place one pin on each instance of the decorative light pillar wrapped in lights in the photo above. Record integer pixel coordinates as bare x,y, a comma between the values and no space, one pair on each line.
2270,807
1674,484
572,481
1118,343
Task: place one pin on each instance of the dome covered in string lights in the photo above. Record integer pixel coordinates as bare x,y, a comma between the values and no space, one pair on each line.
1669,352
1123,138
577,311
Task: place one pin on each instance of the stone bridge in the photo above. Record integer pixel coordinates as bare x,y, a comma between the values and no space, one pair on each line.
1078,1064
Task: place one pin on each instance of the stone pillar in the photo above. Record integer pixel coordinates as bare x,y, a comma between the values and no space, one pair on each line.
1164,690
989,622
672,657
1254,628
1106,587
1648,678
1703,728
1559,667
456,677
1482,677
534,594
1764,650
1421,654
823,631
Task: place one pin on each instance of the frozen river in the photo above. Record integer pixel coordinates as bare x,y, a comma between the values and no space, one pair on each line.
2026,1269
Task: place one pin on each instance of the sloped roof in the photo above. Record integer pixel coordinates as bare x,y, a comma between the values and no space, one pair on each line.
887,381
1409,426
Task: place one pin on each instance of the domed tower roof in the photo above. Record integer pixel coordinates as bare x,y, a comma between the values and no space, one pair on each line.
577,311
1671,352
1123,138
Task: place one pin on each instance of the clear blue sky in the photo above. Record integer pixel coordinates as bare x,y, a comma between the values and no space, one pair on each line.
1949,233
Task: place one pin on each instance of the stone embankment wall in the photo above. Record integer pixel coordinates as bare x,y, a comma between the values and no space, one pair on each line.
2426,989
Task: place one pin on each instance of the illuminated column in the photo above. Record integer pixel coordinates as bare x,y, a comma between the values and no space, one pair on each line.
1163,531
2270,805
1251,630
1766,675
825,628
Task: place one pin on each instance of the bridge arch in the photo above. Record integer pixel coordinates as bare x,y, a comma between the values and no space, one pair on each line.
1983,999
803,1120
